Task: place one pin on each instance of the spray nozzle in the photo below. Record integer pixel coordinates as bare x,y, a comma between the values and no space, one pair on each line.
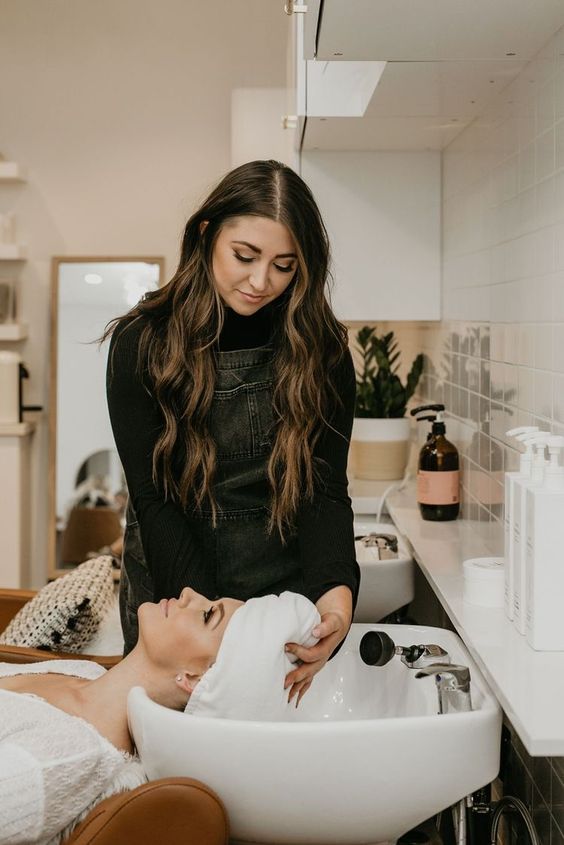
430,417
555,444
526,438
534,438
539,442
539,439
530,464
554,476
522,429
437,407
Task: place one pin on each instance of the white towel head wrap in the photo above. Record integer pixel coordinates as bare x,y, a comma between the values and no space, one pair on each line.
247,679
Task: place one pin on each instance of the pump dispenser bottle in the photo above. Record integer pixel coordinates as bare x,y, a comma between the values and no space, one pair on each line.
438,472
538,441
544,544
524,471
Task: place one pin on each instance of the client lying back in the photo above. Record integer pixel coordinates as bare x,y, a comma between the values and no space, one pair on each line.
64,736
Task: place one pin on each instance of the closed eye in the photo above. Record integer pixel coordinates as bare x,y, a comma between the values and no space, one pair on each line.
288,269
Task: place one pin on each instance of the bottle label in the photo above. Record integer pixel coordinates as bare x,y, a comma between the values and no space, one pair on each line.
438,488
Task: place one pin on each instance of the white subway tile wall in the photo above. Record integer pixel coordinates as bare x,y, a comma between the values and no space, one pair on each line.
497,358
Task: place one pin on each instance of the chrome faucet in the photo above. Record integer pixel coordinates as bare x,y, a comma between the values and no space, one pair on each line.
386,544
421,656
453,686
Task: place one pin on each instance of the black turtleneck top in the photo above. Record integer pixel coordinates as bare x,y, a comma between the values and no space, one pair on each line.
324,525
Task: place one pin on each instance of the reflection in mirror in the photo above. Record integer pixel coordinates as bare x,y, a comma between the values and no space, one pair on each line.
88,492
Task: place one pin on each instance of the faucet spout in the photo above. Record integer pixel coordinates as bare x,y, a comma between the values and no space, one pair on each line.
453,686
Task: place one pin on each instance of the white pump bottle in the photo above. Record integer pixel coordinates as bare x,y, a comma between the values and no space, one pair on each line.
524,471
544,566
538,440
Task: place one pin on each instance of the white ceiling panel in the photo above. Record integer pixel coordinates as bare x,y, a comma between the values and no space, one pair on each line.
446,90
376,133
415,106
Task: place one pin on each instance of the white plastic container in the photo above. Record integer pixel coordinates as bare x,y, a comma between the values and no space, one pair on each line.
544,564
538,441
524,471
484,581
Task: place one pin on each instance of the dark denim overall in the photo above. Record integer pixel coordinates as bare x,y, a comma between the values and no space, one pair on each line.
245,560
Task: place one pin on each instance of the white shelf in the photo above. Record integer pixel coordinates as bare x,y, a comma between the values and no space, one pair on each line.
10,171
528,684
13,331
12,252
23,429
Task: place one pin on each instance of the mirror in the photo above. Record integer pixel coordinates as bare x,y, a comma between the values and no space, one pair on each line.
87,488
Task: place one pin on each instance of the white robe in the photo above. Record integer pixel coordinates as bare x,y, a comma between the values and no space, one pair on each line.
54,767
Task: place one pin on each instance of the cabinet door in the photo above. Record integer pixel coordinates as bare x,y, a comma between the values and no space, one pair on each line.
382,212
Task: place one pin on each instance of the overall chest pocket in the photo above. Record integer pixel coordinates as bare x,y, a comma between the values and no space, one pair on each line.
241,421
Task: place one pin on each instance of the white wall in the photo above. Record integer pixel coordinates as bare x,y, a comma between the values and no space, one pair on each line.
256,127
120,110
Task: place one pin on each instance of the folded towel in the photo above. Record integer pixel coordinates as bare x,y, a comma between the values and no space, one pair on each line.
247,679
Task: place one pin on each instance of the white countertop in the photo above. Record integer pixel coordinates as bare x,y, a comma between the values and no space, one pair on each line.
528,684
366,496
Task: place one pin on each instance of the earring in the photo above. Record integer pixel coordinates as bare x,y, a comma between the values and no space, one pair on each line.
178,678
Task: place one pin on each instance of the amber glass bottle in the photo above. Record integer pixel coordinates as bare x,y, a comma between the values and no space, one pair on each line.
438,472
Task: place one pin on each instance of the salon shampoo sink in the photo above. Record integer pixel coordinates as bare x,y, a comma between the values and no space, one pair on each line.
385,585
365,758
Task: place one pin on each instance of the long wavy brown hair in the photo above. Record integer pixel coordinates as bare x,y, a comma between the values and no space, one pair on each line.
182,324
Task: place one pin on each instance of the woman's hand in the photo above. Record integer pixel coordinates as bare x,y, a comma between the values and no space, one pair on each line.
335,609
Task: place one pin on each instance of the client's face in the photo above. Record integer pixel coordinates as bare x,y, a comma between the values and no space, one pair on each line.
185,631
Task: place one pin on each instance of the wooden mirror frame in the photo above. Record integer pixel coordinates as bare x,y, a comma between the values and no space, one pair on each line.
53,571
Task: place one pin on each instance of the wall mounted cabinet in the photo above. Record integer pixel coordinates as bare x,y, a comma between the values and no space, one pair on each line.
381,208
444,61
382,212
434,30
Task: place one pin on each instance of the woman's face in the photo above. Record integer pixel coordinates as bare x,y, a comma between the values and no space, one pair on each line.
185,633
254,260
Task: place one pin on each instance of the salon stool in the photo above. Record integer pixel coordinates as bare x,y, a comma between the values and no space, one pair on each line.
175,811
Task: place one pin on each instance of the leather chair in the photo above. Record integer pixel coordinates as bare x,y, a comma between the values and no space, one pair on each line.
175,811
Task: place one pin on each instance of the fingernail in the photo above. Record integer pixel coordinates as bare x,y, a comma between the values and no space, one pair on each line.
315,632
287,648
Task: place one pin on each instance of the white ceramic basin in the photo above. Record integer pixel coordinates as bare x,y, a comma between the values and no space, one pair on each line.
365,759
385,585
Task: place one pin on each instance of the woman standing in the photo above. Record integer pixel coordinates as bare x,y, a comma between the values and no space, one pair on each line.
231,394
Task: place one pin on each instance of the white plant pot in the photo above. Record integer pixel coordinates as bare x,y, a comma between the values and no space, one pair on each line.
380,448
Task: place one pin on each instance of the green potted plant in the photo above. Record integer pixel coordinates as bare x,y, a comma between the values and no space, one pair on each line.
380,438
